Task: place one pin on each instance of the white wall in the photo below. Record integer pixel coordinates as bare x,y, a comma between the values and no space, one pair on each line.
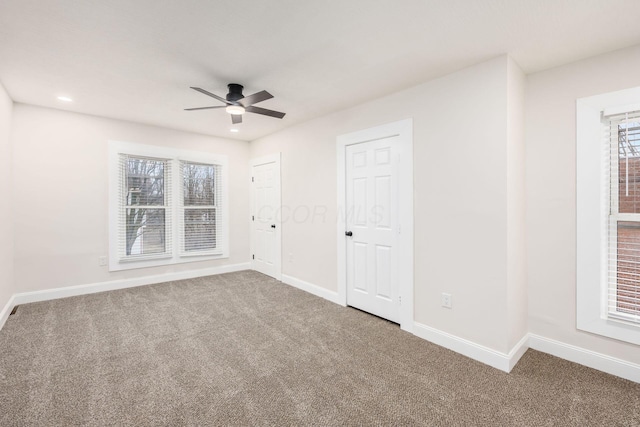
460,163
61,195
551,192
6,207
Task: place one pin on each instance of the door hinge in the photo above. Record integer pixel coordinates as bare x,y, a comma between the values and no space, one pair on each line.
253,257
253,218
251,179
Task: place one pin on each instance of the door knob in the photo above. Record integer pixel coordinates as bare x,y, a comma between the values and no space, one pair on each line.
273,226
348,233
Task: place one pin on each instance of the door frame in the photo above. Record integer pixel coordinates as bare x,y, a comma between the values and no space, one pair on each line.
402,129
271,158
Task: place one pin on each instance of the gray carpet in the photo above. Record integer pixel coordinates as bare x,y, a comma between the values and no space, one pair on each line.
244,349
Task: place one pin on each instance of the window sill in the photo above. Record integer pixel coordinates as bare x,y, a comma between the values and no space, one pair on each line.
130,264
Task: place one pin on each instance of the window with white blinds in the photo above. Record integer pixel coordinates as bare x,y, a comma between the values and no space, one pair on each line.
622,142
144,208
201,209
166,206
608,214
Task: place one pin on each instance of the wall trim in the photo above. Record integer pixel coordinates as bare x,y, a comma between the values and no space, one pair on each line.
6,310
312,289
518,351
582,356
506,362
502,361
92,288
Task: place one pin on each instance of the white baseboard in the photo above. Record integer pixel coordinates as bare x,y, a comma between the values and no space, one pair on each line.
518,351
582,356
91,288
312,289
503,361
6,310
506,362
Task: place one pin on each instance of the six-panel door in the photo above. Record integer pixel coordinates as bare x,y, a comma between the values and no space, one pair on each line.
371,217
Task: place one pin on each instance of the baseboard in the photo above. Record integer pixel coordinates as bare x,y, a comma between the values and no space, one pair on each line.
503,361
601,362
518,351
6,310
311,288
91,288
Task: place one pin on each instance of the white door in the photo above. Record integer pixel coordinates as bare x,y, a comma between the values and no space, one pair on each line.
265,225
371,227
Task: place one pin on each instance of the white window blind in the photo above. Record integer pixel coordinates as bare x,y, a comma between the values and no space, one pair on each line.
144,214
201,210
622,147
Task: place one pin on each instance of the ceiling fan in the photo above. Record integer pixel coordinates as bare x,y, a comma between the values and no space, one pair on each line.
237,104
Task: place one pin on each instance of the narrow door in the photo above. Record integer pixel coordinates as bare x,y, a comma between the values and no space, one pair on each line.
371,222
264,220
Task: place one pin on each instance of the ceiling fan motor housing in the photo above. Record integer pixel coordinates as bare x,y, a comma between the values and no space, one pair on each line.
235,92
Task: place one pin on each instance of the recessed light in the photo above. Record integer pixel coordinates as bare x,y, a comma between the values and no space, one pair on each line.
65,99
234,130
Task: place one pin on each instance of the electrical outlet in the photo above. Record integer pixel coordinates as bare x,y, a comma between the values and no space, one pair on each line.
290,257
447,300
102,261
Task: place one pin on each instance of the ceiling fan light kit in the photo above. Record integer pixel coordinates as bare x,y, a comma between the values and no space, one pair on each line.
235,109
237,104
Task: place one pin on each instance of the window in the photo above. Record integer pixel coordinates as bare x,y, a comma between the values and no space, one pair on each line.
199,207
149,226
608,215
622,137
144,220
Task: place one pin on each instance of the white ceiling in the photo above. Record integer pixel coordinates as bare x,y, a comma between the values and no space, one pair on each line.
136,59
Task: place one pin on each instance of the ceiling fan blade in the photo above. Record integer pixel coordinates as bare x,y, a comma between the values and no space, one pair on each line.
255,98
265,112
204,108
219,98
236,118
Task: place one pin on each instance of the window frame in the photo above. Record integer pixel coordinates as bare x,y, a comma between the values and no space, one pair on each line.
173,156
592,215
